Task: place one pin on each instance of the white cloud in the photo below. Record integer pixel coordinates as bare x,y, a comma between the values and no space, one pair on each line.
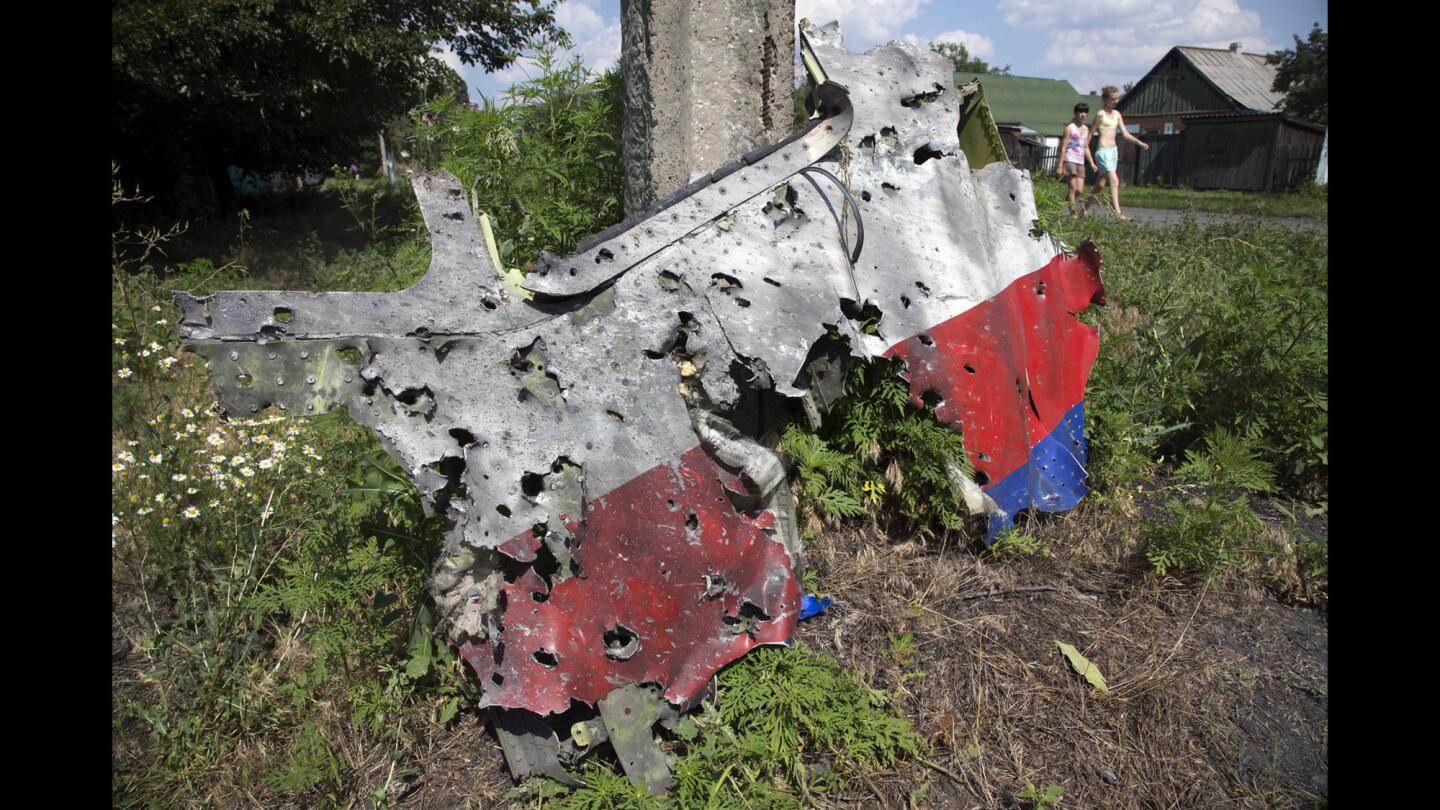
864,23
580,18
601,50
1118,41
979,45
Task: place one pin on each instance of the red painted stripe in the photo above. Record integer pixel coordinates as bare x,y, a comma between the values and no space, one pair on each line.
1011,367
642,567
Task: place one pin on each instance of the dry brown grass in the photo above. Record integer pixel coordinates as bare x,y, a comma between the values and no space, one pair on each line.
988,688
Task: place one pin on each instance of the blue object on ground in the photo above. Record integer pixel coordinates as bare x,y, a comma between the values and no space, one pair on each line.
812,605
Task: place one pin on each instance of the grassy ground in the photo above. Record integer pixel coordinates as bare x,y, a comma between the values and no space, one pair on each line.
1313,203
272,650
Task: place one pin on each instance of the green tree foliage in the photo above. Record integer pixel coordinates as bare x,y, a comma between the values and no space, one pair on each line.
1304,77
960,55
545,165
284,84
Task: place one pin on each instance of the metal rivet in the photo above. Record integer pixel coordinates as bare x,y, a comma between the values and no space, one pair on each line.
348,378
234,355
310,380
281,404
279,380
254,408
270,355
304,353
310,407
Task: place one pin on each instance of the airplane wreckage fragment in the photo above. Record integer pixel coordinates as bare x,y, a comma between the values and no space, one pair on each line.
616,539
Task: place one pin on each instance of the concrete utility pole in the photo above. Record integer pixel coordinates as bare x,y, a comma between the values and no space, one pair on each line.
705,82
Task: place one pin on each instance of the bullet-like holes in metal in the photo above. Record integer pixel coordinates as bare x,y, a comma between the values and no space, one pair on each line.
620,642
928,152
545,658
497,679
616,415
462,437
503,509
932,398
604,256
969,368
284,314
692,522
772,282
982,478
927,340
865,195
744,302
532,484
725,282
905,301
245,380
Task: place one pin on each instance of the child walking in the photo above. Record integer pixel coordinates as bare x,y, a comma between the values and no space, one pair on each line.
1109,123
1077,153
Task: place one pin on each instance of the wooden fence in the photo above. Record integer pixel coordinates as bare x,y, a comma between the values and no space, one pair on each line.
1161,165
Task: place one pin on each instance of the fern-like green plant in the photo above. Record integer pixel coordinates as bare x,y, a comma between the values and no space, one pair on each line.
1205,534
878,452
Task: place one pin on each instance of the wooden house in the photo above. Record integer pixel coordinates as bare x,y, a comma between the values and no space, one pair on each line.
1240,140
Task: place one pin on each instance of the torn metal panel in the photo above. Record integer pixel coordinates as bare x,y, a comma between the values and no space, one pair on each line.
610,524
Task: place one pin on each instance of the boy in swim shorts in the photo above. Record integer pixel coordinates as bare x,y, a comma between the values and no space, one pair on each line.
1109,123
1071,169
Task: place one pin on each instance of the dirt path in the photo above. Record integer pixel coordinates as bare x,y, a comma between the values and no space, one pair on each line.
1174,217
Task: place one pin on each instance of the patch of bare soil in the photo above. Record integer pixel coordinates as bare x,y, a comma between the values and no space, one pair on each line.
1218,693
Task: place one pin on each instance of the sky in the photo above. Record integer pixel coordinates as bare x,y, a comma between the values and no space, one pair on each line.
1089,42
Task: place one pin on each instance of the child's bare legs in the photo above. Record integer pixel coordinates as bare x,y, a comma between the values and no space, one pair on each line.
1115,193
1095,192
1073,192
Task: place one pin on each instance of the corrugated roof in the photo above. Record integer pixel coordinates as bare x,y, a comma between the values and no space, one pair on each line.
1044,105
1243,77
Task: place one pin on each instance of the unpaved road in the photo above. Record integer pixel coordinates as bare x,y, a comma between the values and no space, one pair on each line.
1174,217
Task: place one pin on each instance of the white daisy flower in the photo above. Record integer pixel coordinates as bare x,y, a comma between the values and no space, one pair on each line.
124,373
156,458
190,513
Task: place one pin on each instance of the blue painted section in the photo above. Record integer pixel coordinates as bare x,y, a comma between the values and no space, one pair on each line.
813,606
1052,481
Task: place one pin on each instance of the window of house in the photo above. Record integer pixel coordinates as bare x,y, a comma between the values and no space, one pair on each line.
1169,128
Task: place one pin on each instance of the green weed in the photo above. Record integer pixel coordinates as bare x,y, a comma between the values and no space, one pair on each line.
1046,797
789,724
1013,543
1224,326
1207,533
879,454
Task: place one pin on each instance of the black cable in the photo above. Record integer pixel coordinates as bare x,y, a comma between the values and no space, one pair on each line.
859,221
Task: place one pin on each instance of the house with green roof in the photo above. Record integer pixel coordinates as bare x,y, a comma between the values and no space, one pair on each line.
1040,108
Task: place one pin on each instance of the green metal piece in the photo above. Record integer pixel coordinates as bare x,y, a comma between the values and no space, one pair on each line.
979,139
630,713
